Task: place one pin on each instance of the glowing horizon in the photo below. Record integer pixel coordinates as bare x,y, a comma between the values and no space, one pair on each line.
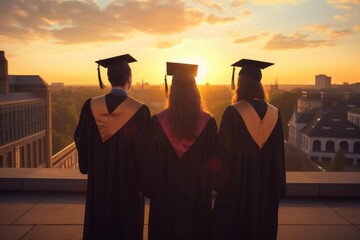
61,40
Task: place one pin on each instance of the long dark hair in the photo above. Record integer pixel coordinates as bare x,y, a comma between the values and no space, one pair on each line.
185,106
247,89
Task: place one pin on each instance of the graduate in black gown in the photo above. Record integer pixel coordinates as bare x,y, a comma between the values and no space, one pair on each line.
173,174
108,140
248,169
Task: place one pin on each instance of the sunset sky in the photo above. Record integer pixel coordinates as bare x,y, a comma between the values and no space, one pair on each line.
60,40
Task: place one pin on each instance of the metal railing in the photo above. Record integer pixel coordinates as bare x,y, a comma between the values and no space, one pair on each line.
66,158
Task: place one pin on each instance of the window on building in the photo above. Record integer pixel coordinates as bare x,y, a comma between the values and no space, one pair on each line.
316,146
357,147
330,146
344,146
1,161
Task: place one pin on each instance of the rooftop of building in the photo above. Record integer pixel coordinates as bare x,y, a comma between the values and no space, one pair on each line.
332,125
27,80
49,204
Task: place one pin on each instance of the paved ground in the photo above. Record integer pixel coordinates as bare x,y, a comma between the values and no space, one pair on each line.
50,215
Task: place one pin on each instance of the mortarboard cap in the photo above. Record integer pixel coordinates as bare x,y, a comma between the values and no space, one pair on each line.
112,64
183,74
251,68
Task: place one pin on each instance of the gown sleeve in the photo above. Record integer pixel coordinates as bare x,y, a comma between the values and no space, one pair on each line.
210,142
81,137
142,125
219,163
149,169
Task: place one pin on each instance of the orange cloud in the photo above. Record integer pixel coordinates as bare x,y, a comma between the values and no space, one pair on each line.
71,22
210,4
340,18
343,1
275,1
212,19
340,33
246,12
295,41
166,44
316,28
343,4
356,28
325,31
249,38
237,3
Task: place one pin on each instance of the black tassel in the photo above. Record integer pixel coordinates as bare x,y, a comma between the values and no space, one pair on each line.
166,86
102,86
232,79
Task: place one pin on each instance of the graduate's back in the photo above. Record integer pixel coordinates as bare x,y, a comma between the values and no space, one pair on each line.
173,173
251,174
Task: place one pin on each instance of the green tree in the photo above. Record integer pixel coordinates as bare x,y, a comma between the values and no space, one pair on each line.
64,120
338,162
66,107
285,102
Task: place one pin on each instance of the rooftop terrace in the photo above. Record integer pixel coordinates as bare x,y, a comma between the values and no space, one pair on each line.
50,203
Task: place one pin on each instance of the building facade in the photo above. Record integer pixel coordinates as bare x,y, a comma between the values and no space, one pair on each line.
25,120
318,133
322,81
353,116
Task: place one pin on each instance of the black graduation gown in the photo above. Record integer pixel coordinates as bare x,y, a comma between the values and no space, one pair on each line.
114,207
250,181
180,204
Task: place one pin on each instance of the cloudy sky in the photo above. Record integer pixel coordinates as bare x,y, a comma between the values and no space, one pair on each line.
60,40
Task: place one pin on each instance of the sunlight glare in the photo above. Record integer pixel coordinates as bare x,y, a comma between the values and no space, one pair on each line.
202,68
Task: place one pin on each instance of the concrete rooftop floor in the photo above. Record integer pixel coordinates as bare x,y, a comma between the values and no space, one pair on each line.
59,215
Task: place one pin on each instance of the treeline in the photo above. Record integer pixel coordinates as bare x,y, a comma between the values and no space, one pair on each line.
286,102
65,110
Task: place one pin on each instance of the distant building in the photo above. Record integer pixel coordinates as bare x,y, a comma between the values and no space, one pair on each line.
319,133
353,115
297,122
326,98
348,87
309,100
322,81
274,88
25,120
57,85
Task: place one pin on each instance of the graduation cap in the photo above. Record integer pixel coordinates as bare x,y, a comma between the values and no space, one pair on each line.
112,64
251,68
183,74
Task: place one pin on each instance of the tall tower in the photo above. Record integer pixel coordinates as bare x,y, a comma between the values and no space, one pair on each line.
322,81
4,79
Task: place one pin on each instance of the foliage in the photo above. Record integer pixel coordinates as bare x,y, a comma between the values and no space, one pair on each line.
65,110
285,102
338,162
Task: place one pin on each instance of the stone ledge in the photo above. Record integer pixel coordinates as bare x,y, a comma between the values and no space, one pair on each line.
42,179
299,184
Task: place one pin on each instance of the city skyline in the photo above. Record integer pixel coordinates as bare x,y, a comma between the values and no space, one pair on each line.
61,40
